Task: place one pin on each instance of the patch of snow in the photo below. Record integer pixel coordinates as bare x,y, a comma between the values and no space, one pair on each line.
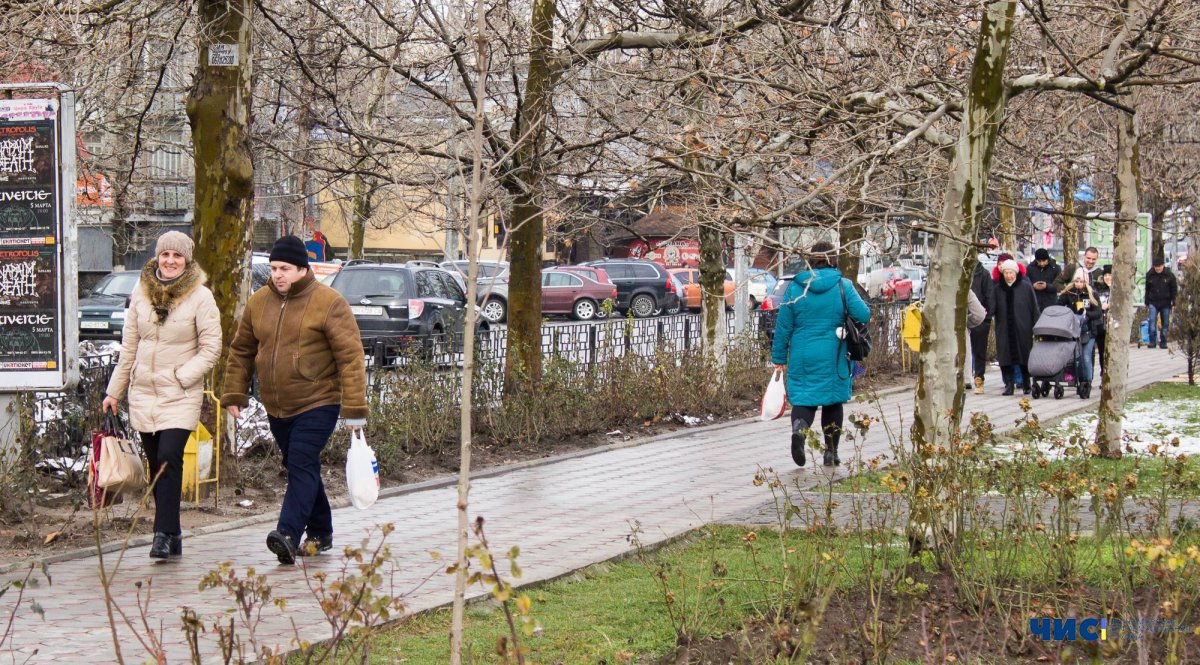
60,465
1146,423
253,428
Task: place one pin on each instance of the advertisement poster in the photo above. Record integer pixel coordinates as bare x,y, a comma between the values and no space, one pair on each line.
668,253
30,236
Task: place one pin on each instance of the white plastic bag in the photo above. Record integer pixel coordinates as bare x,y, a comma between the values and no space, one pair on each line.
774,401
362,472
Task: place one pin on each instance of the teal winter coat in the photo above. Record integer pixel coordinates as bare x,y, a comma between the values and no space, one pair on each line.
806,337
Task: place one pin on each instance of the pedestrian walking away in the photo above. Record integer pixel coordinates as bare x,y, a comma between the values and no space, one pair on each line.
1161,289
809,345
1016,312
1042,273
984,290
1080,298
300,338
169,343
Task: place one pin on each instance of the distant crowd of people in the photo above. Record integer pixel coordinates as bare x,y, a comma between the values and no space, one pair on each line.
1014,295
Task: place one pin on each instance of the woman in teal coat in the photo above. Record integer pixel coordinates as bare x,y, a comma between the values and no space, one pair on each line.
809,346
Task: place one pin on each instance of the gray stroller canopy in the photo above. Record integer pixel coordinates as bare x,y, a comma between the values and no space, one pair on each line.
1058,321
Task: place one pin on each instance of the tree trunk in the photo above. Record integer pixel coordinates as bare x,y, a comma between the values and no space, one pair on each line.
1070,223
1120,314
474,218
943,325
358,219
523,358
850,235
1008,218
714,332
1159,207
218,107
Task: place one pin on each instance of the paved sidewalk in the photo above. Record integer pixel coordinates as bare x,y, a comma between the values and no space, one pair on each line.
564,515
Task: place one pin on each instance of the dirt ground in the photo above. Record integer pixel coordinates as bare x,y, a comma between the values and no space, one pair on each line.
932,628
58,523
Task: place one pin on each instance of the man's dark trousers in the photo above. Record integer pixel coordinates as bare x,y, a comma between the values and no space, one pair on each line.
979,346
301,438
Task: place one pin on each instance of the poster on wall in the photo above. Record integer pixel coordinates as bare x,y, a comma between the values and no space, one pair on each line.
672,253
31,235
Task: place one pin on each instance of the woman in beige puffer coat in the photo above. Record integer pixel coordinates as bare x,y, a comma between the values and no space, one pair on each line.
170,342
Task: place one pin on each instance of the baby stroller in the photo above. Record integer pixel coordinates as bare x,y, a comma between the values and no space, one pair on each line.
1054,358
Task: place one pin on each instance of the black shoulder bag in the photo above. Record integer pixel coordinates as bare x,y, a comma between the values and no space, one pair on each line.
857,335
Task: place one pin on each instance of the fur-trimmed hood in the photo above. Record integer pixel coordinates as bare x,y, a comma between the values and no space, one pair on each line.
164,296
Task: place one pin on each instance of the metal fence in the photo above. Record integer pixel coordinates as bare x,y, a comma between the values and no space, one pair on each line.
64,420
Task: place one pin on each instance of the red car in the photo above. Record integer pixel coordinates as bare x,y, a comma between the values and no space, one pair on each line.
897,288
577,291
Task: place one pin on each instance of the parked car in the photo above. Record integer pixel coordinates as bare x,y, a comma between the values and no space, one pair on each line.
643,287
897,287
760,284
575,293
600,277
409,305
690,291
102,308
770,307
888,284
491,286
260,270
917,275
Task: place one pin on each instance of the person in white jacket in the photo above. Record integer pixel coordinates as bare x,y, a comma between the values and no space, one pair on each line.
169,344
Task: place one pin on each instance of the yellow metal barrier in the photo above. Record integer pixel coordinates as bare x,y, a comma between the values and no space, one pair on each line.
192,480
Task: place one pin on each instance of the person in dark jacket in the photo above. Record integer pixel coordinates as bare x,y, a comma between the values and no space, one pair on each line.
1042,273
1161,288
809,346
1016,312
1103,291
1080,298
982,287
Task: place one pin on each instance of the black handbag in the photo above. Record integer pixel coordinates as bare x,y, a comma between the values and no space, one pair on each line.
857,335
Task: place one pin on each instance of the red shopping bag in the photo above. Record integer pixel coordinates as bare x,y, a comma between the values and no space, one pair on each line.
97,497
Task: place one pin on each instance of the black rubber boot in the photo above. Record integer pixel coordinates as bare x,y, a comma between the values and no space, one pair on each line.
798,441
830,458
1008,388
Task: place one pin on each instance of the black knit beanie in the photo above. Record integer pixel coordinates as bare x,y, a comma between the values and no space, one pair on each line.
290,249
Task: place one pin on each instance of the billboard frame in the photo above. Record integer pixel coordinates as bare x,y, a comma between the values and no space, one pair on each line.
65,374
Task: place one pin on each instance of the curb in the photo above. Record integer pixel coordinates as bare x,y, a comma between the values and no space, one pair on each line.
399,490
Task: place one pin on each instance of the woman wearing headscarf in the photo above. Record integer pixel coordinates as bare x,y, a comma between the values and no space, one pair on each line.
1079,298
809,345
1016,312
170,342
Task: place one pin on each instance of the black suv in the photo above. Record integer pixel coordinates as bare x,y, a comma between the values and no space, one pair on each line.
405,305
643,287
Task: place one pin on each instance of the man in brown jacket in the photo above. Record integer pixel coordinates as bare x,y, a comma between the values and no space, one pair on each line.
301,338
